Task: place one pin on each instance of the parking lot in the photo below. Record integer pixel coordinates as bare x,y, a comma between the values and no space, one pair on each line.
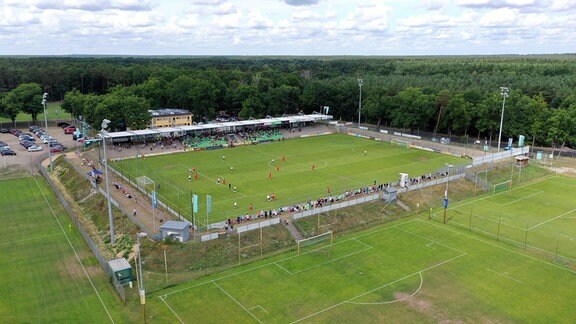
28,160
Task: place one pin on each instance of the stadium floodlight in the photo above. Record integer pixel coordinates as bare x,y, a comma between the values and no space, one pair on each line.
446,191
504,92
140,277
360,84
103,134
44,98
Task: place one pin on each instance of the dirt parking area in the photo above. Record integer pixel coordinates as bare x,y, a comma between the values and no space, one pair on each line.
28,160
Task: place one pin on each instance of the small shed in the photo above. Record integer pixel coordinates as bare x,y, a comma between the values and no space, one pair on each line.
390,194
521,161
176,230
121,270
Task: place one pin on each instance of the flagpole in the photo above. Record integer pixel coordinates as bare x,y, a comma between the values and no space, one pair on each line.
192,219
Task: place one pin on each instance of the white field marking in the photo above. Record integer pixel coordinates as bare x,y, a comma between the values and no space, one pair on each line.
365,244
431,240
285,259
538,192
260,306
570,217
163,299
551,219
236,301
377,288
333,260
471,236
74,250
526,185
430,245
281,267
30,239
396,300
505,276
572,238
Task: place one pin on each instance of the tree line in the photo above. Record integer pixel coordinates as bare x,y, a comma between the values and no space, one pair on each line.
455,95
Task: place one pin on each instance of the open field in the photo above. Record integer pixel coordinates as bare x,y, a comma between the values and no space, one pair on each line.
339,164
414,270
47,274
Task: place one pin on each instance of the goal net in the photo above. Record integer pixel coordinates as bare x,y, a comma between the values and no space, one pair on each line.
400,143
317,243
502,186
145,183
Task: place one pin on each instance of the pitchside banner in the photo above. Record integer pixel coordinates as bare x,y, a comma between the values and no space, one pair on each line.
208,204
195,203
154,201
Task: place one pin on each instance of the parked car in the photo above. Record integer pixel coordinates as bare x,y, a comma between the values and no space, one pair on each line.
56,150
4,130
63,124
78,136
7,152
15,132
34,148
26,137
69,130
33,128
27,144
3,144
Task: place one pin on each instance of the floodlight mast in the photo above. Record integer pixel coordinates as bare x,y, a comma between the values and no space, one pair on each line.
103,132
446,191
141,290
360,84
504,92
44,98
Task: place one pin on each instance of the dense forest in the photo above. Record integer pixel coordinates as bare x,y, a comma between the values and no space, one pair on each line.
455,95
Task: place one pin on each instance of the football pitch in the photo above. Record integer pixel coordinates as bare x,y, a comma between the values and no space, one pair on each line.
295,171
413,270
47,274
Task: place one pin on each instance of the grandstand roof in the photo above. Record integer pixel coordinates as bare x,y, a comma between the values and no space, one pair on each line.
218,126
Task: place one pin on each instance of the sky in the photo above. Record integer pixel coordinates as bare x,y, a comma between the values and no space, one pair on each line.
287,27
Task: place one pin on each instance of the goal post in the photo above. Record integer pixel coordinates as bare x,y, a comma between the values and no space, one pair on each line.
145,183
318,242
401,143
502,186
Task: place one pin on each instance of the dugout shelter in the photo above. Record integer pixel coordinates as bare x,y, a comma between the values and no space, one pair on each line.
176,230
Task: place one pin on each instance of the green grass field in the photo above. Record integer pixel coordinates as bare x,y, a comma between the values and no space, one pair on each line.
540,215
339,161
414,270
47,274
54,110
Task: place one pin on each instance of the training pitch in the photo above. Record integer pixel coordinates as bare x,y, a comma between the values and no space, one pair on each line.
294,171
414,270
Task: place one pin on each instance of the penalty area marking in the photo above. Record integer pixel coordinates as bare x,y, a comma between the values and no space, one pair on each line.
551,219
396,300
30,239
260,306
377,288
236,301
505,275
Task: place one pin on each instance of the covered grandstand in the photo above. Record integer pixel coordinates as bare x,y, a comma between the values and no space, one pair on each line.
150,135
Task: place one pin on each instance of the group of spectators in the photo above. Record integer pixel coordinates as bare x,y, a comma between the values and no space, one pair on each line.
327,200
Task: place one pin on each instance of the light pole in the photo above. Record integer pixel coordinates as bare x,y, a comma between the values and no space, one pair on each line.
446,192
44,97
504,92
103,133
154,202
360,84
140,277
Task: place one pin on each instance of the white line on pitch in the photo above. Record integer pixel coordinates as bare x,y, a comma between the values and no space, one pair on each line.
236,301
551,219
163,299
505,275
30,239
281,267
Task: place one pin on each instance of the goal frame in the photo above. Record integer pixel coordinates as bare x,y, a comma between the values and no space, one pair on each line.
300,243
507,182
